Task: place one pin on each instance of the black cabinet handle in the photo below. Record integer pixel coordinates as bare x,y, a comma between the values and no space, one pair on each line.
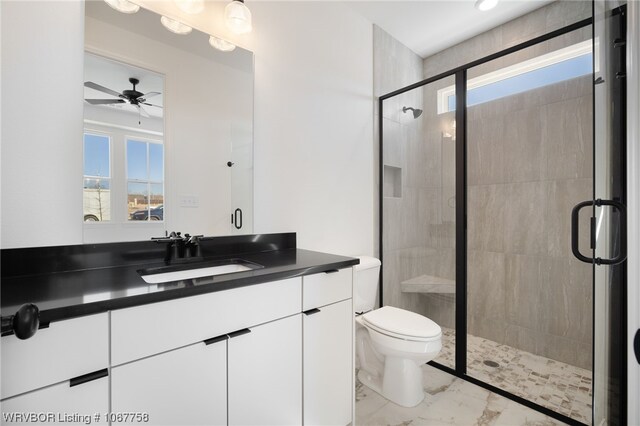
311,311
238,218
88,377
332,271
575,225
215,339
239,333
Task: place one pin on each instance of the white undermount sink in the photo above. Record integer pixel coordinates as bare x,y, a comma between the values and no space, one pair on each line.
187,274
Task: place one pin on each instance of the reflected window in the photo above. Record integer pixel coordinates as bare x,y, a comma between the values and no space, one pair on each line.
145,180
96,203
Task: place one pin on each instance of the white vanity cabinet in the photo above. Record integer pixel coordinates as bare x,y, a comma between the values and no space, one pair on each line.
277,353
61,370
184,386
86,403
265,374
328,348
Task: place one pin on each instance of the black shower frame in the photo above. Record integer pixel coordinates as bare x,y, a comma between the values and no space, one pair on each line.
460,74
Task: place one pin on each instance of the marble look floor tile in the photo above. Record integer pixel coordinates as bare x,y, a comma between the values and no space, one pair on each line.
448,401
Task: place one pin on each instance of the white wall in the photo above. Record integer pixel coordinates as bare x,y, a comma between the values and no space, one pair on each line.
41,112
313,118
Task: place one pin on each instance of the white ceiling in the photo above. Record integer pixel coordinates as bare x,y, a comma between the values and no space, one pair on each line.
429,26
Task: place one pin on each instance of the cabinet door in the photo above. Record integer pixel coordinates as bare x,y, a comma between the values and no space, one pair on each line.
328,371
265,374
179,387
86,403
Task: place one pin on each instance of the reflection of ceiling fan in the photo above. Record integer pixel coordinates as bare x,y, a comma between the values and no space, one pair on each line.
132,97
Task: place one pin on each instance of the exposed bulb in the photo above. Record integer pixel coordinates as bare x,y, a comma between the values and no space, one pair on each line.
238,17
220,44
191,7
175,26
124,6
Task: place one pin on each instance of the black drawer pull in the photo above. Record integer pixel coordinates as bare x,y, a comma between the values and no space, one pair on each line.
239,333
311,311
332,271
215,339
88,377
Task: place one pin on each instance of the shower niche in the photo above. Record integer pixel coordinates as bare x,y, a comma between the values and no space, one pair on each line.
392,182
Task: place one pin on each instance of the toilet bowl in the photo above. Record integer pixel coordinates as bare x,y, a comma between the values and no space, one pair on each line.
391,343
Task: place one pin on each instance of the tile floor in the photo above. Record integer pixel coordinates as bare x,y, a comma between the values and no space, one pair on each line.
561,387
448,401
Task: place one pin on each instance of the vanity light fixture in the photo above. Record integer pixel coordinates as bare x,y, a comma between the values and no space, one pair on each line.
220,44
192,7
175,26
238,17
124,6
484,5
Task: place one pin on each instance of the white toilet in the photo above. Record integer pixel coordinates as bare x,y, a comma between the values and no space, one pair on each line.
391,344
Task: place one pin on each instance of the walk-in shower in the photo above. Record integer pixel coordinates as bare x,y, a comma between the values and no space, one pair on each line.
476,231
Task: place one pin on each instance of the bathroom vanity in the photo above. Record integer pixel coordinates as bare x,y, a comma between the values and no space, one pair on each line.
271,345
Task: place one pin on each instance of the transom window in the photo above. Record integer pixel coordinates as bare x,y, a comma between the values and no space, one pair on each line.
560,65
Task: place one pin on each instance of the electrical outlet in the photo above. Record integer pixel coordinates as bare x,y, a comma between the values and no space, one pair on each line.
189,201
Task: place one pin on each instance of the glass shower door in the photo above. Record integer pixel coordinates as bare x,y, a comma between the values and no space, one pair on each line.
529,161
609,222
418,165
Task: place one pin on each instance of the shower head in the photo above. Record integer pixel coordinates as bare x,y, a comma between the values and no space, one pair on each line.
416,111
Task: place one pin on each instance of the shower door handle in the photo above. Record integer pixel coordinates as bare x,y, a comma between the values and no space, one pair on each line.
575,231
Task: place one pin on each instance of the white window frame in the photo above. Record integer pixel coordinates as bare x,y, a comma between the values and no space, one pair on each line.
93,132
127,180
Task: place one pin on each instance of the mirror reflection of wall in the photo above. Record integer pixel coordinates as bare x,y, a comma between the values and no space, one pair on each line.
170,170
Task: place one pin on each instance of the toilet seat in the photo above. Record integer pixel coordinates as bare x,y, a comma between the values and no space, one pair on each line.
402,324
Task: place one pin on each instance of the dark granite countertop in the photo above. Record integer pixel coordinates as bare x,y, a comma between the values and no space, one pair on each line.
71,293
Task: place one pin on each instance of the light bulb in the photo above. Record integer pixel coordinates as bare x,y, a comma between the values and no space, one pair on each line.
220,44
175,26
238,17
191,7
124,6
484,5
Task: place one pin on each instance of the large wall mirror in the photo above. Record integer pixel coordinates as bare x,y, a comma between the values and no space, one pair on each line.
168,130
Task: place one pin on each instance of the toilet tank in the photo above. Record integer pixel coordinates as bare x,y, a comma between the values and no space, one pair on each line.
365,283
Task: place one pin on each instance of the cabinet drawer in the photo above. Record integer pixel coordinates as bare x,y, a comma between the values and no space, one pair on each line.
64,350
60,404
150,329
326,287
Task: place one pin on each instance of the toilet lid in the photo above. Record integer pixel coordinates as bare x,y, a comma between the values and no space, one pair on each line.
402,323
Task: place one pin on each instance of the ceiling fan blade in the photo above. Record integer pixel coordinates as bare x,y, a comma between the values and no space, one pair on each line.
142,111
104,101
96,86
148,104
150,94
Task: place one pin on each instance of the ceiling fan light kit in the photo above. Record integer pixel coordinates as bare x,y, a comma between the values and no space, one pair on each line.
128,96
124,6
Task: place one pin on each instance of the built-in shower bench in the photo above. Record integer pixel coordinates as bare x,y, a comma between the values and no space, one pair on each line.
428,284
